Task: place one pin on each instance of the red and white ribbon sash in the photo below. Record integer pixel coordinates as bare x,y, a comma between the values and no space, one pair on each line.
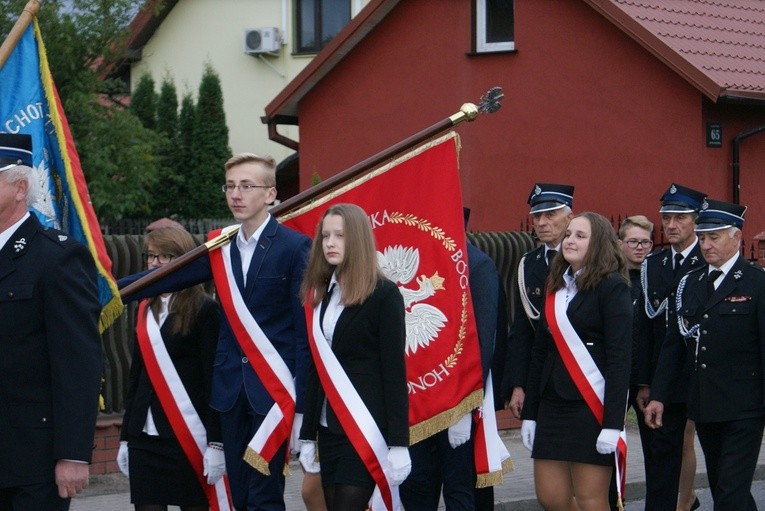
355,418
583,370
264,359
492,459
176,403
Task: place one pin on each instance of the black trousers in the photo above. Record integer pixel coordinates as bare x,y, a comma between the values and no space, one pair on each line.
730,450
34,497
663,456
434,463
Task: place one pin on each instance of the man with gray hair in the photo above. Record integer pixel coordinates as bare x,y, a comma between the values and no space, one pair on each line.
50,371
716,337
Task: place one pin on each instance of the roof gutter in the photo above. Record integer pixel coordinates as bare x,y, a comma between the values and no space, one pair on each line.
277,137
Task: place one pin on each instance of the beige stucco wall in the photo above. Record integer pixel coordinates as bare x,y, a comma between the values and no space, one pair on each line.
199,31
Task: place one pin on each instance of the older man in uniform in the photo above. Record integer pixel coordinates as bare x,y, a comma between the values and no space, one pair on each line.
550,213
50,370
718,335
660,274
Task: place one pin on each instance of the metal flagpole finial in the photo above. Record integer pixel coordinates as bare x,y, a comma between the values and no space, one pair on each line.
490,101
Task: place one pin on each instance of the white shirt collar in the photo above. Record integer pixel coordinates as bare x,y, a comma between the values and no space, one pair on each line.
725,268
6,234
687,250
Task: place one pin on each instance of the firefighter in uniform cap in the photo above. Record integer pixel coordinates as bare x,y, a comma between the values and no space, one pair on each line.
660,273
550,213
717,334
50,371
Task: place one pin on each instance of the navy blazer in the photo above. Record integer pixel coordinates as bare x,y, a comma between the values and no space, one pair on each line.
603,319
52,360
272,295
192,355
368,341
726,381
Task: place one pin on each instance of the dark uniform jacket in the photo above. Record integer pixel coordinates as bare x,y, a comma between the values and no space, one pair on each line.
368,341
726,379
601,317
518,355
51,363
192,355
662,283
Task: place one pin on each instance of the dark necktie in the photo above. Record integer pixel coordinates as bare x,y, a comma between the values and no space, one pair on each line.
550,256
678,262
324,304
713,275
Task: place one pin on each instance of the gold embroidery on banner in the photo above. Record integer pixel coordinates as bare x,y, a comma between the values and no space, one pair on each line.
451,360
425,226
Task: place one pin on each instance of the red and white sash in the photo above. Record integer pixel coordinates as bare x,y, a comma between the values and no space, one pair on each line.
583,371
357,422
492,459
177,405
265,361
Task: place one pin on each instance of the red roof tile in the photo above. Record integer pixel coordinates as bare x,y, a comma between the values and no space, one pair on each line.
719,45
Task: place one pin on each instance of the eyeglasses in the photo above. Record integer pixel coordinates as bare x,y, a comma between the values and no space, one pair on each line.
639,243
243,188
148,257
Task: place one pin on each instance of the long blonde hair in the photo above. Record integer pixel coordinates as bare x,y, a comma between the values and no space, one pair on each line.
185,303
357,273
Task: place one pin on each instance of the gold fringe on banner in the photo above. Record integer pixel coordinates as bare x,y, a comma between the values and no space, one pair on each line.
443,420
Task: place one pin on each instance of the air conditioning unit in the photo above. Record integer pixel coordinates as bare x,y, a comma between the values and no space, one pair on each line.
262,40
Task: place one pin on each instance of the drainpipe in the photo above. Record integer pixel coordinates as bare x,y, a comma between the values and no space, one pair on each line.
278,137
736,164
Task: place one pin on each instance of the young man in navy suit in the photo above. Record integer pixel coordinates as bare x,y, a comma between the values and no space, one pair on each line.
716,338
264,265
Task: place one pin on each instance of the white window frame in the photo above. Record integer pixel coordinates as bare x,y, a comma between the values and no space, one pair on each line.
481,46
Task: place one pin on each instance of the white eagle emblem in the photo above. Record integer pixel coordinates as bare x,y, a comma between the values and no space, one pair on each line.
44,200
423,321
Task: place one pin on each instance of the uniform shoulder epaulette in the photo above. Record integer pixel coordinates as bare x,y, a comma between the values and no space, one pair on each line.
656,252
697,269
535,249
756,266
61,238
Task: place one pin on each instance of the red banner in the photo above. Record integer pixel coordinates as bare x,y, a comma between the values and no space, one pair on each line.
415,207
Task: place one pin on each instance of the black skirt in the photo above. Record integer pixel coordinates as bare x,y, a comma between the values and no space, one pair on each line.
160,473
568,431
340,464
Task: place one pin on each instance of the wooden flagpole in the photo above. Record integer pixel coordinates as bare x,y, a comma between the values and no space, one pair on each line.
29,12
490,103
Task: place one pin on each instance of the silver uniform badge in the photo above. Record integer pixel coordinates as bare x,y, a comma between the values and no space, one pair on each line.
61,237
19,244
673,189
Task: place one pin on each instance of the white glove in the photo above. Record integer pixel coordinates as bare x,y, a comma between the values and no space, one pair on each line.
295,435
308,457
528,430
400,464
122,459
607,441
214,464
459,433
